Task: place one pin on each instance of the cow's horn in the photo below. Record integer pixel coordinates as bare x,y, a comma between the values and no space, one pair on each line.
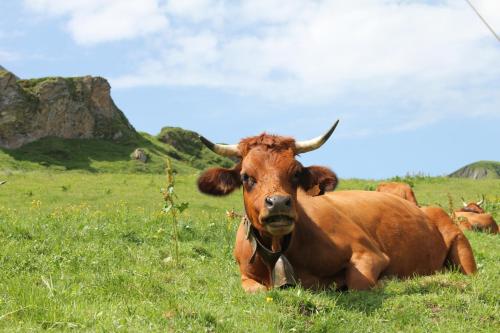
309,145
480,202
464,203
223,150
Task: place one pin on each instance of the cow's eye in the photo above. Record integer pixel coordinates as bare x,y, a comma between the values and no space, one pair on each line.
244,177
247,180
296,178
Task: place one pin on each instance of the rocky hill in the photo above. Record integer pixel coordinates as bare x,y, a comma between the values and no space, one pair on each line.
69,108
73,124
479,170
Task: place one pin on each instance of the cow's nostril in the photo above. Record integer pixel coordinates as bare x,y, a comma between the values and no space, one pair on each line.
278,203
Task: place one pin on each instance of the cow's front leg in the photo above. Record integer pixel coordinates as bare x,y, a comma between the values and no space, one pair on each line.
251,286
364,270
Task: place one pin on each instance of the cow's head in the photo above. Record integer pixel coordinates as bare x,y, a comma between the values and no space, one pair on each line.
270,176
473,207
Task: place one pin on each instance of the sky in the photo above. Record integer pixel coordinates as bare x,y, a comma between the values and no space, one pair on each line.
415,83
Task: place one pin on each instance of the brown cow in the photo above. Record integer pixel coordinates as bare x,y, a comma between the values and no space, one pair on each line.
349,239
473,217
472,207
402,190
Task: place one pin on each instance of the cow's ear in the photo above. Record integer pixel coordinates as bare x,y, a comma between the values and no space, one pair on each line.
317,180
220,181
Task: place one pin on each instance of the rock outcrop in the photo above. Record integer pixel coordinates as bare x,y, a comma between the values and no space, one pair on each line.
183,140
70,108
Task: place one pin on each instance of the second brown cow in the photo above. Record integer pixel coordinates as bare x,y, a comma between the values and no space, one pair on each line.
402,190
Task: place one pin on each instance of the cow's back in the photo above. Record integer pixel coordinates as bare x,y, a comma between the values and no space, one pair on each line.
399,228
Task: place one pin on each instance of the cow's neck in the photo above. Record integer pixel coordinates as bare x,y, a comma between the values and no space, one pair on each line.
268,247
274,243
271,251
283,243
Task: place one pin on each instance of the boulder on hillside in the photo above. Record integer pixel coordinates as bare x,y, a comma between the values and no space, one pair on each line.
140,155
70,108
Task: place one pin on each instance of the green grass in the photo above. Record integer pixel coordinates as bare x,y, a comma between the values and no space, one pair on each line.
98,156
91,252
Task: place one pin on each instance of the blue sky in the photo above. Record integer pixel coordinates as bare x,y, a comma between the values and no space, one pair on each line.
416,84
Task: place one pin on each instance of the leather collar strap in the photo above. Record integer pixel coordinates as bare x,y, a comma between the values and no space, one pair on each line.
282,273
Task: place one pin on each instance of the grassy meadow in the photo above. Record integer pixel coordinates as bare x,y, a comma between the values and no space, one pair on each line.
92,252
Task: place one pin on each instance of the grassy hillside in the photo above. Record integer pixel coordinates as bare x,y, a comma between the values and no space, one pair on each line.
96,155
188,144
92,252
479,170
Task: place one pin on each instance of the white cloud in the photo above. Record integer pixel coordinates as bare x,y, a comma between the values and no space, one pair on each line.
196,10
97,21
412,57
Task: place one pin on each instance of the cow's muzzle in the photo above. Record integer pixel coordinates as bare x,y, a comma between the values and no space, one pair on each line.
278,225
279,218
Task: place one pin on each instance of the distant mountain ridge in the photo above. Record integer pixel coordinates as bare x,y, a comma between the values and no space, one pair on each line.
479,170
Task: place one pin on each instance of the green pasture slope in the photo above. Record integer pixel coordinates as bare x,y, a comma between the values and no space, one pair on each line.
91,252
